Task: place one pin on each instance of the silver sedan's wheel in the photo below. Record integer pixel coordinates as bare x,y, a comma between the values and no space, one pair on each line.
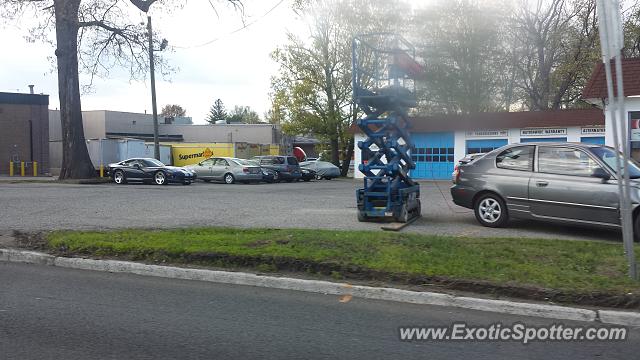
160,178
491,211
228,179
118,177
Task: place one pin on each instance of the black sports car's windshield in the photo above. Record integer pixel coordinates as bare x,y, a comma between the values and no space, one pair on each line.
152,163
608,156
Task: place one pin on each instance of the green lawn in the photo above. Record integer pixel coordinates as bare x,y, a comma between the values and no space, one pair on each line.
575,266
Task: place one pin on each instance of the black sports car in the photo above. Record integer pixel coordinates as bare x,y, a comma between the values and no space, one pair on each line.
149,170
307,174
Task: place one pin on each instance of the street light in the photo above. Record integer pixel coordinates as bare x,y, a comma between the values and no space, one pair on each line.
163,45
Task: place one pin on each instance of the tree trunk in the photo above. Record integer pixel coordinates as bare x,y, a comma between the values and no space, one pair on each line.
335,151
76,163
346,161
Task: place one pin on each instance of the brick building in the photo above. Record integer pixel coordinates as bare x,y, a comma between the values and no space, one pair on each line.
24,131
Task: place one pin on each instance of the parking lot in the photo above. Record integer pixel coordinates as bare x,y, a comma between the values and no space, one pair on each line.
318,204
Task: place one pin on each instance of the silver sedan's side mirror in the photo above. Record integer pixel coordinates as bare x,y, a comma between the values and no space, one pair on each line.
601,173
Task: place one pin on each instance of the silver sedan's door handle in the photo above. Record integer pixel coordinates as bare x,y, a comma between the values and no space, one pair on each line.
541,183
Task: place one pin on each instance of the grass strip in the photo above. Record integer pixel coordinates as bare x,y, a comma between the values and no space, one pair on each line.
574,266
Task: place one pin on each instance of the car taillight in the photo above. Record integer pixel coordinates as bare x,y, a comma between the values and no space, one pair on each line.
245,170
456,171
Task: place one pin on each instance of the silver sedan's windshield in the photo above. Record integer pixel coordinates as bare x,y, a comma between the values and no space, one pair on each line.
608,156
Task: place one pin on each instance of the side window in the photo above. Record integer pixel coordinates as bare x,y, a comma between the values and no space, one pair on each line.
516,158
565,161
266,161
208,162
292,161
222,162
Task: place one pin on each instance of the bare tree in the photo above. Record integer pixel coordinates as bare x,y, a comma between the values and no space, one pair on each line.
557,49
92,36
173,110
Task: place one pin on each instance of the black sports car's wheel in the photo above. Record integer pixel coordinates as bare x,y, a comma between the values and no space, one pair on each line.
160,178
119,178
276,176
318,177
229,179
187,183
491,211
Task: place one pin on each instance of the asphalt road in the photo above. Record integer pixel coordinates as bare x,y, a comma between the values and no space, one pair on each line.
318,204
56,313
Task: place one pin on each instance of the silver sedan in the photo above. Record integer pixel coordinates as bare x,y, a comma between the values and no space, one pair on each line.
560,182
227,169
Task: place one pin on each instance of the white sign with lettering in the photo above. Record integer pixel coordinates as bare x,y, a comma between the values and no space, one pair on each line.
543,132
488,133
594,130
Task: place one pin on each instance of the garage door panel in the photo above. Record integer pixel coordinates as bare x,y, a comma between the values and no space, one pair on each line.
484,145
433,155
552,139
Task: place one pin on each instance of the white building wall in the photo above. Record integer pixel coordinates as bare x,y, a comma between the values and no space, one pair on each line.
631,104
459,145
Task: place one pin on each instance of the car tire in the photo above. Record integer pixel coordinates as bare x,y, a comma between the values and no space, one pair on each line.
229,179
491,211
119,178
306,180
402,214
362,217
276,177
318,177
186,183
160,178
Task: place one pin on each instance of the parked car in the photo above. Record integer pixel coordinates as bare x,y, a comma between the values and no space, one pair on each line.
149,170
227,169
561,182
307,175
323,169
285,167
465,160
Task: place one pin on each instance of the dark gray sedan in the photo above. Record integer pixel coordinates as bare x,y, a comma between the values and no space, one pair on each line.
563,182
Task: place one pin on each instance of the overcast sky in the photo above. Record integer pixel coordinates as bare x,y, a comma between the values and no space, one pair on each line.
235,68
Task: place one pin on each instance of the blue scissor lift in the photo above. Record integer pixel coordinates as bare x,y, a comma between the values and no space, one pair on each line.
384,74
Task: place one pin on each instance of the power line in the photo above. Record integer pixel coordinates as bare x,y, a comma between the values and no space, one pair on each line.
234,31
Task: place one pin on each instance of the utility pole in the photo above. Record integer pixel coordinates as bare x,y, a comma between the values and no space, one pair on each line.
156,144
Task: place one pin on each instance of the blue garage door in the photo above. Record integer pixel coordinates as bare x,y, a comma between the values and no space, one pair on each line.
593,140
555,139
484,146
433,155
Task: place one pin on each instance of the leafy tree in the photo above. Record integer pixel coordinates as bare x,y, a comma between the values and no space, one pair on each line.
93,36
173,110
243,114
312,92
217,112
460,42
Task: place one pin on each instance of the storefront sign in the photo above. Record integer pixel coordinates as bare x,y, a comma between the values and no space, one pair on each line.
488,133
186,155
543,132
594,130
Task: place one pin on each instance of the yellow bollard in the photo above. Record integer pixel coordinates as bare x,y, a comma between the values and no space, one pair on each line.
10,168
101,170
35,168
21,168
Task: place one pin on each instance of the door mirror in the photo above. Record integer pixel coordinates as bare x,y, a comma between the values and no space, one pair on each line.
601,173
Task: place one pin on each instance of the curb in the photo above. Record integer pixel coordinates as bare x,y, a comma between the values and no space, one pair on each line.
325,287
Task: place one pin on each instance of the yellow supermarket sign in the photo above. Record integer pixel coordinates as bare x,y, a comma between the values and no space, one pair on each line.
187,155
